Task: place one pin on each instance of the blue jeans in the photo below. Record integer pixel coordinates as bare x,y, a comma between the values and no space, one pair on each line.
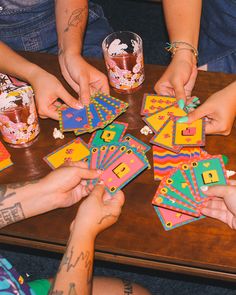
217,47
32,27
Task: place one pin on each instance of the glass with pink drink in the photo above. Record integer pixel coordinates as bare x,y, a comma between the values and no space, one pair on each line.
123,54
18,117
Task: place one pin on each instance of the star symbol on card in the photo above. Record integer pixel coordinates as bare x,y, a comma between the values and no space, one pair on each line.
79,119
69,115
153,100
166,135
161,117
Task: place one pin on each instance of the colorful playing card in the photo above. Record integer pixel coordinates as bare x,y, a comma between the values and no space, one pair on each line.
5,160
171,219
76,150
166,189
168,201
164,160
110,134
164,137
208,172
137,143
189,134
123,170
178,181
71,119
153,103
156,120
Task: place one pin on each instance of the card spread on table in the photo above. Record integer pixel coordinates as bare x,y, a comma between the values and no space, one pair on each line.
156,120
180,191
102,110
189,134
75,150
111,133
164,138
153,102
5,158
164,160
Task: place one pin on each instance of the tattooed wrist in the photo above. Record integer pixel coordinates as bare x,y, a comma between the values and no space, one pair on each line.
76,17
11,215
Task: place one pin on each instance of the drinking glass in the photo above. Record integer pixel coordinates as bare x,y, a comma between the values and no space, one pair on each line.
123,54
18,117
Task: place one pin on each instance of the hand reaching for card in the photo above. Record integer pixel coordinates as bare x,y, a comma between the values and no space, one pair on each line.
223,204
219,120
103,211
48,89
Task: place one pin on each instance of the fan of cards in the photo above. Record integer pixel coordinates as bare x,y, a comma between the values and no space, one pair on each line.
162,114
121,158
180,190
101,111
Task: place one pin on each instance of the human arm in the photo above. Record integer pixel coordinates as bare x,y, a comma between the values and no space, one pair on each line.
222,206
71,20
219,120
47,88
75,272
61,188
183,23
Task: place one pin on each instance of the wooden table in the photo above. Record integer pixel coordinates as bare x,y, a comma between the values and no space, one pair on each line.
203,248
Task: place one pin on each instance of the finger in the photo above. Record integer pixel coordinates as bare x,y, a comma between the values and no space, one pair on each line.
200,112
49,112
215,213
220,191
119,197
215,203
86,173
180,92
98,192
69,99
79,164
84,91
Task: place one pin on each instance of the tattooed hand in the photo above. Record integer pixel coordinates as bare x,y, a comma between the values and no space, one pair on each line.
98,211
82,77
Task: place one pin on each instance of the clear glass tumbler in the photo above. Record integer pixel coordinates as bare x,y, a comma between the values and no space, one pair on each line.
123,54
18,117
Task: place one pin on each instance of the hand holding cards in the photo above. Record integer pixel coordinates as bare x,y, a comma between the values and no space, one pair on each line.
102,110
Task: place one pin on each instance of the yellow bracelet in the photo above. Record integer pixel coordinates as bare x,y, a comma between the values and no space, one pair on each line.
173,47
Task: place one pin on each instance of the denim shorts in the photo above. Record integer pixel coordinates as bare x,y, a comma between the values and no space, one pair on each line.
29,25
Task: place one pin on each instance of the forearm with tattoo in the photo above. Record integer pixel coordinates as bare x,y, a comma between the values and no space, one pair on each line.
77,16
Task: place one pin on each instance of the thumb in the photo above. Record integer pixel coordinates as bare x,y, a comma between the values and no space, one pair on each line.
86,173
98,192
200,112
69,99
220,191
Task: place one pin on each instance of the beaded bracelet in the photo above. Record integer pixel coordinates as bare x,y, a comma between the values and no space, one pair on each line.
173,47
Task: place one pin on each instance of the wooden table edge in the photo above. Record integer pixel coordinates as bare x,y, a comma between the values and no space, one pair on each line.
126,260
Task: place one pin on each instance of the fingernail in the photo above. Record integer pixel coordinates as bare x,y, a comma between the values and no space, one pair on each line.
182,120
79,106
191,105
195,99
204,188
181,104
225,159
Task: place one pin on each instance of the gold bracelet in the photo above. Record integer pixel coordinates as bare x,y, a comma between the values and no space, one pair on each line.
173,47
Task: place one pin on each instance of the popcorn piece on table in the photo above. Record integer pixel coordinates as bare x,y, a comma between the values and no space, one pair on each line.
146,130
57,134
